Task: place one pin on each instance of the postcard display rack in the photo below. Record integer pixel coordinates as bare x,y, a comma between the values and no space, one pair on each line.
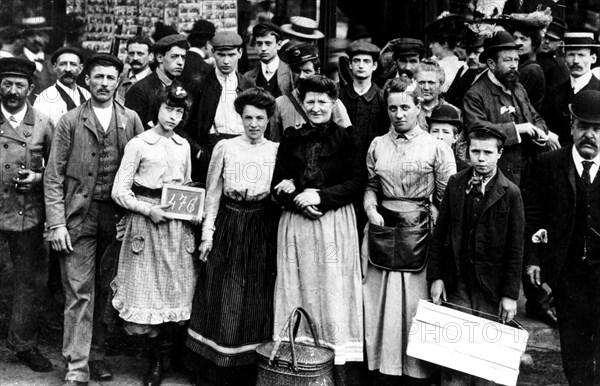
111,22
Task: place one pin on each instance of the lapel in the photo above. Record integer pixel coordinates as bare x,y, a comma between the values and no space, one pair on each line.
457,196
253,74
496,193
593,84
89,119
569,168
283,74
26,126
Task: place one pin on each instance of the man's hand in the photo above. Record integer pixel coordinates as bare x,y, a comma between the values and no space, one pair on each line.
374,216
60,240
438,291
534,273
26,180
507,309
158,215
553,142
526,129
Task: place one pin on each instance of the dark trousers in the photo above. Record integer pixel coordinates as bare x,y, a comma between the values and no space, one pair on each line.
26,254
85,298
578,312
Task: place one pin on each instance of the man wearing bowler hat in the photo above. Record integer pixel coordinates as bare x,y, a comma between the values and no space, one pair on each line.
213,116
581,51
196,67
81,217
170,55
562,238
271,73
25,137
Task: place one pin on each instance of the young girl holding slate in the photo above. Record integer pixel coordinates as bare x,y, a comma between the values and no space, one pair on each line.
156,275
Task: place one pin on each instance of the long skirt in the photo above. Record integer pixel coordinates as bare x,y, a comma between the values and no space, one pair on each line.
233,307
391,299
318,268
156,276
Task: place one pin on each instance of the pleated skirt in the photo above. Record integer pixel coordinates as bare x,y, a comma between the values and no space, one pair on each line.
232,311
318,268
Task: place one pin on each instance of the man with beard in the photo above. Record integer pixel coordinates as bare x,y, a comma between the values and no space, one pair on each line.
580,53
36,40
80,215
25,137
562,238
469,73
499,101
553,64
139,56
169,53
407,54
64,95
271,73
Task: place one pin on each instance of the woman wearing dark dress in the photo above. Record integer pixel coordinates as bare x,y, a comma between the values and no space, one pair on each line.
318,175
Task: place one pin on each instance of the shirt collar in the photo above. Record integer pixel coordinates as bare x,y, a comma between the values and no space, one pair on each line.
407,136
151,137
273,66
18,116
578,159
578,83
369,95
498,83
225,77
140,75
33,56
163,77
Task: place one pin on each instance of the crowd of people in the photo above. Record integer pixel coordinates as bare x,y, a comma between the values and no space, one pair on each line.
457,178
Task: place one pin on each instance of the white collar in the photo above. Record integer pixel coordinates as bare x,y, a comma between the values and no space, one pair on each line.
140,75
578,83
273,66
33,56
18,116
67,89
498,83
162,75
578,159
225,77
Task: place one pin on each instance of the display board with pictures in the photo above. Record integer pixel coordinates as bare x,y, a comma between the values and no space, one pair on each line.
111,22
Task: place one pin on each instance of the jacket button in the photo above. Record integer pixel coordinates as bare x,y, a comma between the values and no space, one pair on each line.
93,154
90,174
24,144
6,146
85,196
22,166
7,166
20,213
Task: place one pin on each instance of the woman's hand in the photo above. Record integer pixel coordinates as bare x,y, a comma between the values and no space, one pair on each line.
158,215
312,212
374,216
307,198
205,248
285,186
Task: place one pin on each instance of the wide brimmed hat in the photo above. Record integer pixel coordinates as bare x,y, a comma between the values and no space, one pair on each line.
445,114
447,27
202,27
579,40
35,24
585,106
501,41
303,27
556,30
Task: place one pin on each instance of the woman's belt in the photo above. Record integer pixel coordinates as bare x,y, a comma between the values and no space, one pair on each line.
146,192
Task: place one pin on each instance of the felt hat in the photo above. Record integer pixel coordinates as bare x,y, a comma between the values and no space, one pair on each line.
202,27
557,29
585,106
445,114
502,40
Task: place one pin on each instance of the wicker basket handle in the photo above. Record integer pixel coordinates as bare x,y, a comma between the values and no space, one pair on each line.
296,317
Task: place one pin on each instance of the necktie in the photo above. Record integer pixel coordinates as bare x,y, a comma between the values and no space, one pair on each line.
475,184
585,176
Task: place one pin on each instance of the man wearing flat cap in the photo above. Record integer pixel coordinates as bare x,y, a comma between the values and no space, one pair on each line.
81,217
581,51
213,116
407,54
562,238
25,138
271,73
197,65
170,54
65,94
482,217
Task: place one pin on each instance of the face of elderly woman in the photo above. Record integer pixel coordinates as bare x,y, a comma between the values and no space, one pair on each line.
318,107
402,111
255,122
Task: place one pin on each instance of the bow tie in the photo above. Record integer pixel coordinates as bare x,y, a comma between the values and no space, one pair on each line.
476,184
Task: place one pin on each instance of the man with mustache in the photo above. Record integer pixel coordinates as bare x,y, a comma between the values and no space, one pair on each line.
139,56
25,137
562,238
169,53
581,51
81,217
65,94
271,73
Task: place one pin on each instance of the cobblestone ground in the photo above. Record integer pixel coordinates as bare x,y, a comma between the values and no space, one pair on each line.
125,355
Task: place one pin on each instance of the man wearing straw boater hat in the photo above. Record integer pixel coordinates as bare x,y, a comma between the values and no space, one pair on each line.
562,239
581,51
482,216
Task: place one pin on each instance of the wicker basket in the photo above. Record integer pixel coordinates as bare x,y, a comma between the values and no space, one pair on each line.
283,363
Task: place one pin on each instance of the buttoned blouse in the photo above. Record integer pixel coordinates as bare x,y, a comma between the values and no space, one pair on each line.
412,165
150,161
